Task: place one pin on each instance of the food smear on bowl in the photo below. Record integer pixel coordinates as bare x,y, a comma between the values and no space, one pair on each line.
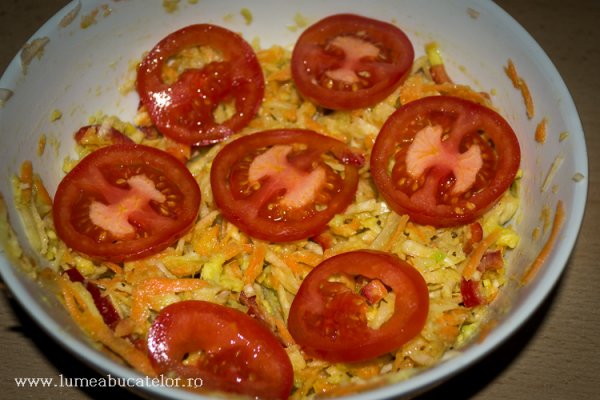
70,16
31,50
557,222
90,19
5,95
291,162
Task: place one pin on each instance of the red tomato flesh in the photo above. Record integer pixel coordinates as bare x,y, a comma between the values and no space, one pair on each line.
444,161
328,315
275,185
106,308
491,260
228,350
184,110
469,290
347,61
125,202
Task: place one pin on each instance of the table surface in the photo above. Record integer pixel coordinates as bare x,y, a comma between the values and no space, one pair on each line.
556,353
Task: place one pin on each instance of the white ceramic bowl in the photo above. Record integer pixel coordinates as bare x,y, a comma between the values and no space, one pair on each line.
81,69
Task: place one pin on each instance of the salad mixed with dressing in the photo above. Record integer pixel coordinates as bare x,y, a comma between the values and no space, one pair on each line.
284,222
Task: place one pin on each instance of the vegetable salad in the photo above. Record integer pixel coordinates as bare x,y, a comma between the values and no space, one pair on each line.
322,244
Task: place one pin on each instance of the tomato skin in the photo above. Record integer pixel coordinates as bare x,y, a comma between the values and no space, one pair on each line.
463,120
250,211
103,303
240,355
470,293
94,180
184,110
323,316
313,59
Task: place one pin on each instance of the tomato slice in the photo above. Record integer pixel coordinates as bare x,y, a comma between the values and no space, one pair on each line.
328,316
444,161
227,349
347,61
185,109
276,185
125,202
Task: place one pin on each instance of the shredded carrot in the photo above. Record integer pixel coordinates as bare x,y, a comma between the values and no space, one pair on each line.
257,123
478,252
540,131
559,218
99,331
124,327
232,249
416,88
114,268
312,124
180,151
27,181
206,241
448,324
307,257
144,291
461,91
139,270
284,333
271,55
365,370
290,114
255,266
439,74
527,98
41,194
397,233
323,387
293,264
284,74
110,285
511,71
519,83
347,229
369,141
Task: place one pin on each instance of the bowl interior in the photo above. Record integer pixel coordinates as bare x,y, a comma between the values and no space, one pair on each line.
81,70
